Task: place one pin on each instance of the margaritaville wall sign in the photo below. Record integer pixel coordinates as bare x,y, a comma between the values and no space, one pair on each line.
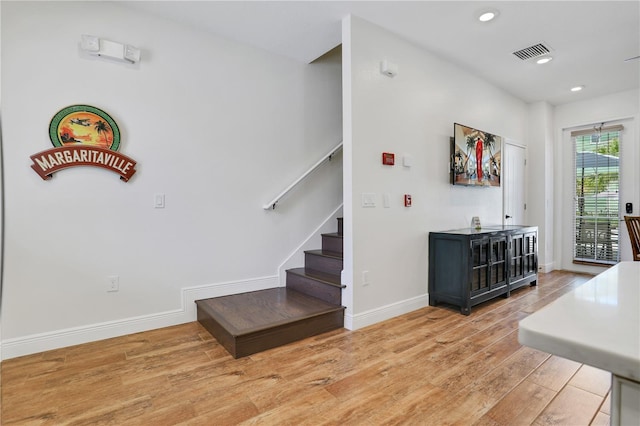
83,135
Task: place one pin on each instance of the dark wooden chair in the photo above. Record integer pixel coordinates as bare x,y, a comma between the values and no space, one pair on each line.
633,226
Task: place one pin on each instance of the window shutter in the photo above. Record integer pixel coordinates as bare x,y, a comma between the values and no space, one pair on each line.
597,177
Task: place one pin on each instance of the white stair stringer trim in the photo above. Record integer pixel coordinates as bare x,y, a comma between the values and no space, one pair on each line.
383,313
35,343
314,240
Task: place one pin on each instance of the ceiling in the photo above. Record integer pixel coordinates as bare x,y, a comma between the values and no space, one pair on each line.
589,40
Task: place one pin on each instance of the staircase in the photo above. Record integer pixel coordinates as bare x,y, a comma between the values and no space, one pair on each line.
309,304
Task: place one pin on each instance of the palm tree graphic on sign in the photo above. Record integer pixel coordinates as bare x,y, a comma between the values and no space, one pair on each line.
102,129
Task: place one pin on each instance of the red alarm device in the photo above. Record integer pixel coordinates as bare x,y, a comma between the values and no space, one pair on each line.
388,158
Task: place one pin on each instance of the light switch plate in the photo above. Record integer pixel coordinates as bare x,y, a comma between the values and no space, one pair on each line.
158,201
368,199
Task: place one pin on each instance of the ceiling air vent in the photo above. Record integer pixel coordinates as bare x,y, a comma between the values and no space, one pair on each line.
532,51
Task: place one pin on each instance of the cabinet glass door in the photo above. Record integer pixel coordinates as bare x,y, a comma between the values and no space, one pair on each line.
497,262
517,248
480,266
529,260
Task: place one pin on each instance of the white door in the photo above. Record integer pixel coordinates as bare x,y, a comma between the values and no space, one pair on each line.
513,180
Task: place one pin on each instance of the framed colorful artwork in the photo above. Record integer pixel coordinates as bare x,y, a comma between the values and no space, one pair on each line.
476,157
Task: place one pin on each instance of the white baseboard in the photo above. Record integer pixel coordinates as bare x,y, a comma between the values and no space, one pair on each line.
383,313
12,348
546,268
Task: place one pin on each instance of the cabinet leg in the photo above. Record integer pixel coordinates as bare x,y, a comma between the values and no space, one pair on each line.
465,310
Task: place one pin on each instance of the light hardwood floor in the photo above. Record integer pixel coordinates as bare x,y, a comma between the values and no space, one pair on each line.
433,366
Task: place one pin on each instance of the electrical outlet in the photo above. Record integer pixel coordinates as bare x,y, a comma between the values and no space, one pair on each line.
113,283
365,278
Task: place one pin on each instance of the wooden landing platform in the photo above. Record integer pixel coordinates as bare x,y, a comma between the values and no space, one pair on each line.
251,322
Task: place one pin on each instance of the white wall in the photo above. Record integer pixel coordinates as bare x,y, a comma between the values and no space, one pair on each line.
1,194
412,113
623,108
540,208
218,127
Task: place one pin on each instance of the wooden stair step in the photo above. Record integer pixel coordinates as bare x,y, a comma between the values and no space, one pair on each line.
330,262
317,284
251,322
329,279
332,242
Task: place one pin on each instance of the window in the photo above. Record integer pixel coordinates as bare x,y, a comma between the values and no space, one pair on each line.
597,172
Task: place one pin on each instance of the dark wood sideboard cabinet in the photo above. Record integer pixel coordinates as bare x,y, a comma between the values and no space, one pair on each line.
468,266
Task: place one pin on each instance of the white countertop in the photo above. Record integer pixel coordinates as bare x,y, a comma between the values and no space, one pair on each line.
597,324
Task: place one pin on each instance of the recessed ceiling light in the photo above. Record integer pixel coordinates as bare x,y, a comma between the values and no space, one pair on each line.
544,59
488,15
577,88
